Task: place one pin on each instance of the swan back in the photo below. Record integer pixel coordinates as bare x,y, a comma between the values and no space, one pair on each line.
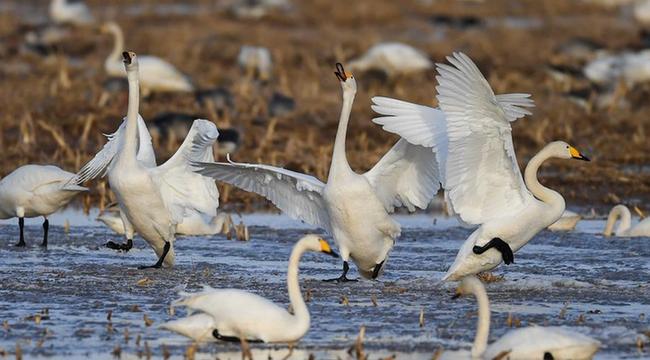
197,327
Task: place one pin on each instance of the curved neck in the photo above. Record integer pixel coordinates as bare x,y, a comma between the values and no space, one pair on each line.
130,140
301,313
541,192
339,159
483,327
624,225
116,55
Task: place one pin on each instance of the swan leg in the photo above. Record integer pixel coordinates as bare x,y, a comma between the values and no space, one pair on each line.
21,225
158,264
502,246
124,247
218,336
375,271
343,278
46,228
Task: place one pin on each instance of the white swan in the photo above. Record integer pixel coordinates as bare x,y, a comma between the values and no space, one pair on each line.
534,342
625,227
352,207
609,69
482,181
36,190
256,60
393,58
566,222
153,200
156,74
232,314
70,12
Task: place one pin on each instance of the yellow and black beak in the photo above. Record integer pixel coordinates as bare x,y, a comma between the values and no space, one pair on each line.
325,248
457,294
340,73
575,154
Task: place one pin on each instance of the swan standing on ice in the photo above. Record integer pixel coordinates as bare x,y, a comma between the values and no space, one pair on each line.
625,227
153,200
352,207
232,314
393,58
36,190
482,180
70,12
156,74
566,222
534,342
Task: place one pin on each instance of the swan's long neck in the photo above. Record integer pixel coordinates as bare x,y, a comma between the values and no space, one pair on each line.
548,196
116,55
300,311
624,225
483,327
130,140
340,163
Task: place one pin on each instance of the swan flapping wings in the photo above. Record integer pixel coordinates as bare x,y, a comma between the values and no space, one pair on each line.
483,180
296,194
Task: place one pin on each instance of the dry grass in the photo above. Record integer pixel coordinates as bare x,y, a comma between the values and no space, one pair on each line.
51,112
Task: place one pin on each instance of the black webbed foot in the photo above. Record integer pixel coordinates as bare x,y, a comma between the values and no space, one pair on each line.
120,247
343,278
501,246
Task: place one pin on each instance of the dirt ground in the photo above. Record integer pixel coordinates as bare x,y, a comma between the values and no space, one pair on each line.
51,113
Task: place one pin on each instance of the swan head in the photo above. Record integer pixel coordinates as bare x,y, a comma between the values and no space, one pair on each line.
110,28
562,150
347,80
468,286
317,244
130,60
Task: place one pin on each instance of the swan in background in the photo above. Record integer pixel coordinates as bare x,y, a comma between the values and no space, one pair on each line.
393,58
153,200
566,222
156,74
533,342
256,61
352,207
70,12
481,177
192,224
232,314
36,190
625,227
609,69
642,12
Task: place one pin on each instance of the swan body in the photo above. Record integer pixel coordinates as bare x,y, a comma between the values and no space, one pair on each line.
642,11
630,67
566,222
156,74
256,60
393,58
36,190
482,181
69,12
233,314
534,342
153,200
625,227
353,208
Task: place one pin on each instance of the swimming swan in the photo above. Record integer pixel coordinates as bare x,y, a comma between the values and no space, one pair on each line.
36,190
625,227
231,314
481,177
352,207
156,74
153,200
533,342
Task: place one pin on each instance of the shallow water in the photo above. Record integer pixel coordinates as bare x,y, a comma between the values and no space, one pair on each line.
595,285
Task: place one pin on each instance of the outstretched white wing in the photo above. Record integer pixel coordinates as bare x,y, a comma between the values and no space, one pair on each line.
99,165
180,187
406,176
483,180
296,194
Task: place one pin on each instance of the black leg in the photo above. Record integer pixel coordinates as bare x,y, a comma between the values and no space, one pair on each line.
502,246
158,265
123,247
46,228
21,225
375,271
343,277
218,336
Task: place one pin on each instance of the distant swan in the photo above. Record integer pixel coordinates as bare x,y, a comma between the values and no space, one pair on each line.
352,207
625,227
393,58
482,181
566,222
533,342
36,190
70,12
231,314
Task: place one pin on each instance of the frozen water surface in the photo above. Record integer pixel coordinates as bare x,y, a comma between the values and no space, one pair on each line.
596,285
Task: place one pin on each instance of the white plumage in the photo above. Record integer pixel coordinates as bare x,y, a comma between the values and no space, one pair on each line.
256,60
70,12
609,69
566,222
352,207
625,228
393,58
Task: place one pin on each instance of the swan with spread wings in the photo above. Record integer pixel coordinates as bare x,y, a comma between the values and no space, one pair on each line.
354,208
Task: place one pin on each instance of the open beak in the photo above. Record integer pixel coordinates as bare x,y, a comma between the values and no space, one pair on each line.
575,154
127,57
340,73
